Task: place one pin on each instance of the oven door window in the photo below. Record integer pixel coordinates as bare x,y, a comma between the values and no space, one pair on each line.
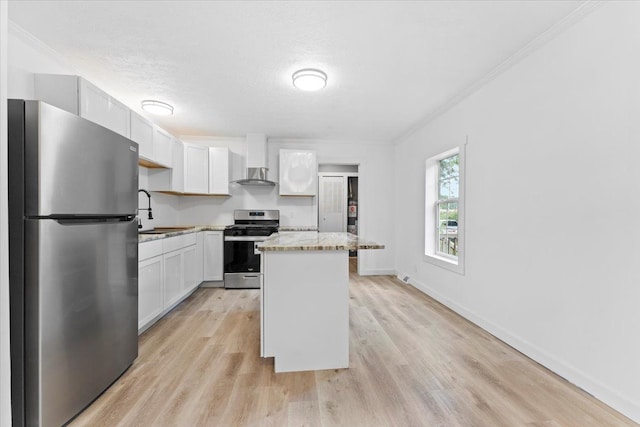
240,257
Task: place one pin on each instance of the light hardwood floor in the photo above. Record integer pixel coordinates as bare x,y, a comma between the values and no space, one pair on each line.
412,363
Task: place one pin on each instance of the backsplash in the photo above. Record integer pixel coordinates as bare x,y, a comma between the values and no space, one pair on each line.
202,210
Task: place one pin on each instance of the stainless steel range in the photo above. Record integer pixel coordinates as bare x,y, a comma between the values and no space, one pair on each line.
241,258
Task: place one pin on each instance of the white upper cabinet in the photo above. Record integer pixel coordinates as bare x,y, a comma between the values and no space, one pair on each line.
162,146
99,107
196,169
170,180
78,96
142,133
218,170
298,173
177,165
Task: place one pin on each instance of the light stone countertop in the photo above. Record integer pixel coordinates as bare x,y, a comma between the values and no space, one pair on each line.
186,229
179,231
314,241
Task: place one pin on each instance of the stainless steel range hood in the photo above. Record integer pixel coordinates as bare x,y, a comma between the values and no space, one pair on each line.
256,176
256,161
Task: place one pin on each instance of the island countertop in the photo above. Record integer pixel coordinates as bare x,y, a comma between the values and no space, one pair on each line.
314,241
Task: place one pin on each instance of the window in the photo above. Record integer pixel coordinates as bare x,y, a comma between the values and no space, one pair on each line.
447,206
444,210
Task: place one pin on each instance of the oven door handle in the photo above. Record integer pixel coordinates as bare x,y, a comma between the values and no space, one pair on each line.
245,238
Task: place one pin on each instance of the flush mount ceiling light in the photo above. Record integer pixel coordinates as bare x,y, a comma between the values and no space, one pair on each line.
309,79
157,107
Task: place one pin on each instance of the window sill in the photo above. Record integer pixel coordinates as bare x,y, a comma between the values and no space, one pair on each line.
446,263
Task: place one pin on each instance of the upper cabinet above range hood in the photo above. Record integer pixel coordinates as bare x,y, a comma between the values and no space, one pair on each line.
256,161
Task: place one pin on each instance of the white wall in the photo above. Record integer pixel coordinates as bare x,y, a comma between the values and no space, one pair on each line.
26,57
553,205
5,365
165,207
551,266
376,189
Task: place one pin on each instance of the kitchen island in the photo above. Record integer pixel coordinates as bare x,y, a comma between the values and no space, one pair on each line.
305,299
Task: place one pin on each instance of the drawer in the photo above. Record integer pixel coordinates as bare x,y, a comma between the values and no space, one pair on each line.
178,242
150,249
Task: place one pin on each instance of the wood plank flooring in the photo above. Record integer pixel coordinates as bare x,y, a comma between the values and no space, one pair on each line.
413,362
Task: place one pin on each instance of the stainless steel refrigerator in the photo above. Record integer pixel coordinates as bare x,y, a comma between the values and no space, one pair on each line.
73,273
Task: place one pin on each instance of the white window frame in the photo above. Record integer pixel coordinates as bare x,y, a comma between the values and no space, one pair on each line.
431,223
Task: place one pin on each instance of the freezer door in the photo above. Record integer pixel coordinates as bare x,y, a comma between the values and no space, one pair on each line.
81,313
76,167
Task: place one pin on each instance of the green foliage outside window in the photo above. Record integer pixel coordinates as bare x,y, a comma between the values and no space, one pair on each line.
447,205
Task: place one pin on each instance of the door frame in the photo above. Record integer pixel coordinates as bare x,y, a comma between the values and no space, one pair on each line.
363,169
345,192
5,363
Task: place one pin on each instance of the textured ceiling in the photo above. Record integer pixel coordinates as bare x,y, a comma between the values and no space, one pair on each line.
226,66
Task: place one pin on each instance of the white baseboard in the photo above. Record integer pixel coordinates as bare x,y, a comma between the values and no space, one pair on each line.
377,272
582,380
212,284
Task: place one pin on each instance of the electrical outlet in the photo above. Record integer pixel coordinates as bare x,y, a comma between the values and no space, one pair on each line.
403,276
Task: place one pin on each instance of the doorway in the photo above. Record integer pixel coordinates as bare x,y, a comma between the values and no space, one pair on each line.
338,202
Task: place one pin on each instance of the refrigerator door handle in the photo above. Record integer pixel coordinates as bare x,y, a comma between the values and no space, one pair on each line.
102,220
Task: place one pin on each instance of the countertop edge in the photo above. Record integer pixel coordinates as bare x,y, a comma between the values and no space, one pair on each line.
143,238
297,228
304,241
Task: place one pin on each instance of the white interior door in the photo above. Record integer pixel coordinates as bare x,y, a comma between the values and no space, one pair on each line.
332,204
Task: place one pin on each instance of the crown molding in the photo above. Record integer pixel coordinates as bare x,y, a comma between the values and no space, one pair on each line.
536,43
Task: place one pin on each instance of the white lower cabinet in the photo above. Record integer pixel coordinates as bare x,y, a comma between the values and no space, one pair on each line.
168,271
190,272
173,277
149,290
200,257
213,255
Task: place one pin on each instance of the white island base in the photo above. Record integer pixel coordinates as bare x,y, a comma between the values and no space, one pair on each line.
305,309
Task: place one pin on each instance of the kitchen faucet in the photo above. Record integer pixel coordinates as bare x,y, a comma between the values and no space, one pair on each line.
145,209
